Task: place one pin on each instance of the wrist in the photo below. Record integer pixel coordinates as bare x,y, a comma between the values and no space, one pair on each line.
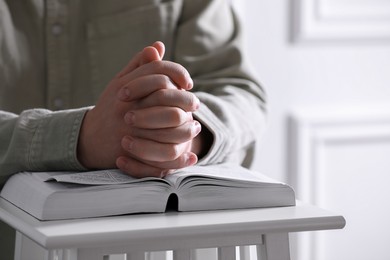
84,152
201,144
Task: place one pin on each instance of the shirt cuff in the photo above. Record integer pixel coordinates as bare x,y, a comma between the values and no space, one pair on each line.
219,147
54,145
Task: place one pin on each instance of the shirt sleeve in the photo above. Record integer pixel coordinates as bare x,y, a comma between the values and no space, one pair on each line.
39,140
209,44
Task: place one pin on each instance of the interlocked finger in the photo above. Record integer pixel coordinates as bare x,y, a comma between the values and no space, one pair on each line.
157,117
149,150
180,134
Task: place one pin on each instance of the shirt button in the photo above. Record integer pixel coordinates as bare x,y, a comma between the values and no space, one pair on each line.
56,29
58,103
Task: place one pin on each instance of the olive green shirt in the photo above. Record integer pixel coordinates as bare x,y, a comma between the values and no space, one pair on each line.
60,55
56,57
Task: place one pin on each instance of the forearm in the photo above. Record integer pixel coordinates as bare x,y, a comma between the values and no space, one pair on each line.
39,140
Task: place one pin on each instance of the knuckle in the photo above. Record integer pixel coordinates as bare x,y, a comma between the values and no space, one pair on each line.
158,66
161,81
192,100
162,95
173,152
181,69
190,132
166,82
178,116
156,63
186,133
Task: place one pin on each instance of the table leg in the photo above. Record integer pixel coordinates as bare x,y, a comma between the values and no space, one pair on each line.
26,249
135,256
275,247
181,254
227,253
245,253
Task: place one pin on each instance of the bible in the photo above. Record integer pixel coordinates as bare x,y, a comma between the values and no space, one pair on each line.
67,195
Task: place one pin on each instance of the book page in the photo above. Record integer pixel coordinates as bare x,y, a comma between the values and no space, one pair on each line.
102,177
226,171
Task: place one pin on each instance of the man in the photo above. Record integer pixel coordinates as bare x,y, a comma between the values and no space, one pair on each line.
189,101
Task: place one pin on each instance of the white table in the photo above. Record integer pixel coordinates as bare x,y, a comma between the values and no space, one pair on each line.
96,238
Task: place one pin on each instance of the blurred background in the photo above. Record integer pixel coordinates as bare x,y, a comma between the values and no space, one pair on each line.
326,67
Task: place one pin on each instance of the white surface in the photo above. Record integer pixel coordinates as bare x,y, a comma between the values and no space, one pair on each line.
349,74
327,73
329,20
365,202
341,161
170,230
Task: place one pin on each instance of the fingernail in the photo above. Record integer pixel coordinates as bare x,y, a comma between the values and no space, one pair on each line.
129,118
190,84
190,159
121,163
197,127
196,104
124,94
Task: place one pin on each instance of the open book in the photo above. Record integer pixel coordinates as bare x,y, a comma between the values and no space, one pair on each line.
65,195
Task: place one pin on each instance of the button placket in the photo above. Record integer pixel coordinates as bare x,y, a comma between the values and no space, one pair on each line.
56,29
57,54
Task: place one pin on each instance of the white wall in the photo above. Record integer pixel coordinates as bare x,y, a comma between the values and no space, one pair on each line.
308,74
332,79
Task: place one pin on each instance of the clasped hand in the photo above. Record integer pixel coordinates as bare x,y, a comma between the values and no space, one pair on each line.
142,122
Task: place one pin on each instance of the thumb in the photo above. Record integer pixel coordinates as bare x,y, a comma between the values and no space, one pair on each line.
148,54
160,47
